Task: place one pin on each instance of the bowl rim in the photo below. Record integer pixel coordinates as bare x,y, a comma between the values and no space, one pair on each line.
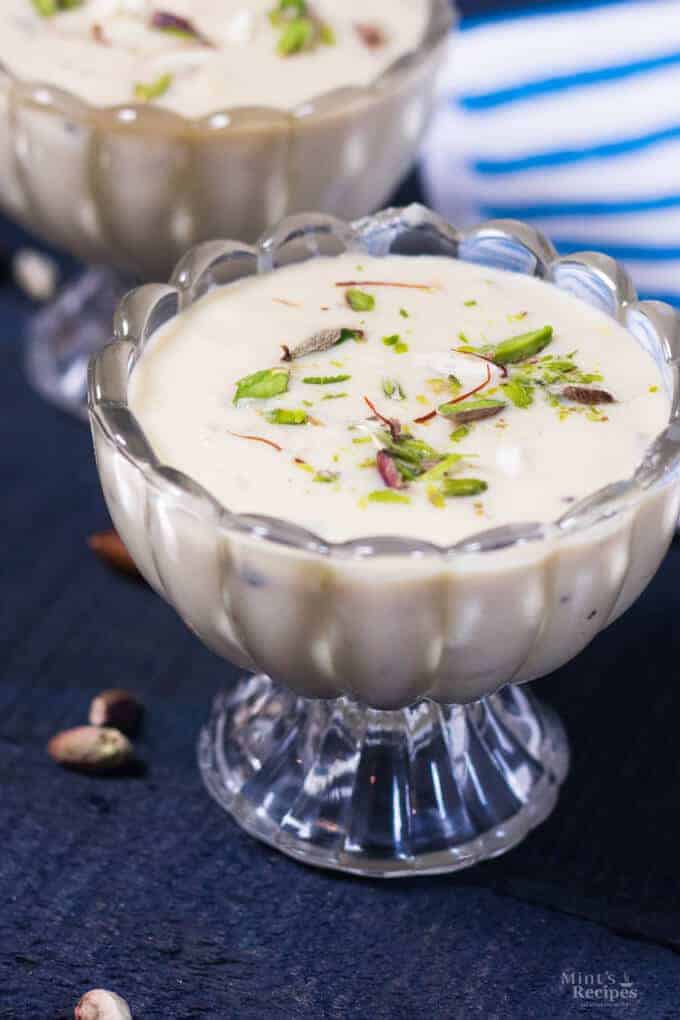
146,308
141,117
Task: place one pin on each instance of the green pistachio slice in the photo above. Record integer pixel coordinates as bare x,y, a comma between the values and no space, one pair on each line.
360,301
520,391
413,451
283,416
393,389
269,382
47,8
297,35
325,380
519,348
441,470
457,488
153,90
387,496
472,410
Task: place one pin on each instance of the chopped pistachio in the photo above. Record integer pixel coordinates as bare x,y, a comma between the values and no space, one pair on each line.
562,366
460,433
387,496
47,8
359,300
304,466
405,314
653,389
520,391
439,385
325,380
326,476
391,341
300,28
400,348
296,36
153,90
519,348
283,416
435,497
455,488
472,410
469,304
285,8
393,389
442,469
413,451
362,439
326,35
369,462
270,382
334,396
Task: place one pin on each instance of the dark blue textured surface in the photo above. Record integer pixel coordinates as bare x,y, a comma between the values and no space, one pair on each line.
143,885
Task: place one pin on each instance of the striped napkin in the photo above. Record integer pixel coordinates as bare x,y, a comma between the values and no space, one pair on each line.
567,116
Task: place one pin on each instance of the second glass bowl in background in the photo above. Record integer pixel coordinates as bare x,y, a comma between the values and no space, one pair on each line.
132,187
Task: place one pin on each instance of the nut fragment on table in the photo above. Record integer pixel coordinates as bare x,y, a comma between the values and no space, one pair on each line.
36,274
118,708
100,1004
91,748
109,546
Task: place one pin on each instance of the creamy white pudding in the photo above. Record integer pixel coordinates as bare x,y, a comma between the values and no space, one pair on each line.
198,56
414,396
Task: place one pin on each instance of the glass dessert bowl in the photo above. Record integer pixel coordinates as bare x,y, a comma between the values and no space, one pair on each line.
382,728
132,186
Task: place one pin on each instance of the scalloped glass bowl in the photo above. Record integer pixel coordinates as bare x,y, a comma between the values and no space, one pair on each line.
426,761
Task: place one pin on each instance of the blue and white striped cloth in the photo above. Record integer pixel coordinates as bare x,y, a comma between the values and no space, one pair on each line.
567,116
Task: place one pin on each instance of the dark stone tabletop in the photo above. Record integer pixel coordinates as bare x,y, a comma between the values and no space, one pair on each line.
142,884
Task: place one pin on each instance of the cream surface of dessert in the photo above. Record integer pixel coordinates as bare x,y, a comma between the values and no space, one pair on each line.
197,56
414,396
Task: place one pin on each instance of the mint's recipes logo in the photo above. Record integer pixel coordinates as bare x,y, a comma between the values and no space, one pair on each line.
603,988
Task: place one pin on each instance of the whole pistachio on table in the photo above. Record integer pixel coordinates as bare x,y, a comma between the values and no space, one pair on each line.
117,708
91,748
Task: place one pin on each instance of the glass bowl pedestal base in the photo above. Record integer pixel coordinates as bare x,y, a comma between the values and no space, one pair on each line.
63,335
422,790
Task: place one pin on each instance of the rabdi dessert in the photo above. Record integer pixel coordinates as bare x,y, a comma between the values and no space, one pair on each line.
423,397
